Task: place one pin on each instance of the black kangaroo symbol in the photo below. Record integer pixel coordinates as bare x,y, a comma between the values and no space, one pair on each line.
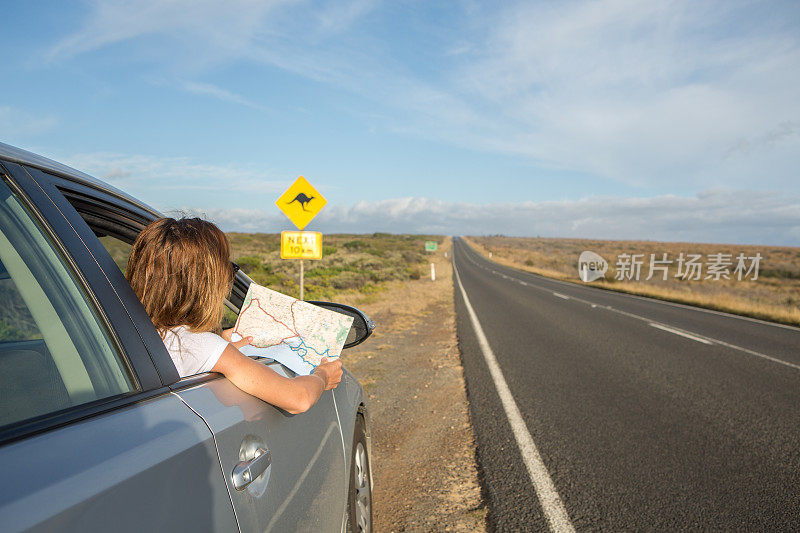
302,199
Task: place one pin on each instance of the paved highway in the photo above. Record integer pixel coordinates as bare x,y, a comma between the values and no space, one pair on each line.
598,410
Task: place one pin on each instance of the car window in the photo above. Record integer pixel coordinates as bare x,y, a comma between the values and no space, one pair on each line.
229,317
16,322
54,352
118,242
118,250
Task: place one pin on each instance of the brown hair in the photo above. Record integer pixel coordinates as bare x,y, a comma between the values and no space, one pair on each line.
181,271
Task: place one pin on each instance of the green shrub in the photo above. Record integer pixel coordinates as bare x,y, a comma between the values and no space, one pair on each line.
325,272
356,245
266,279
350,280
249,263
412,257
9,332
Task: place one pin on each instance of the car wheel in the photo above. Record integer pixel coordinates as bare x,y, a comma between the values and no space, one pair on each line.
359,497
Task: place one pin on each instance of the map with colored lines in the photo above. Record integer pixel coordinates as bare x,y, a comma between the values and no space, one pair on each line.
295,333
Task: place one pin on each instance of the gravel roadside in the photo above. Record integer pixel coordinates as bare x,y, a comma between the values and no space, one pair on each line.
425,473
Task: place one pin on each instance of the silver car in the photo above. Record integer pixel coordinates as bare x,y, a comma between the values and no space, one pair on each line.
97,430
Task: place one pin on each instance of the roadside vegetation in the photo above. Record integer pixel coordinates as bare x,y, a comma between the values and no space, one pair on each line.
774,296
353,267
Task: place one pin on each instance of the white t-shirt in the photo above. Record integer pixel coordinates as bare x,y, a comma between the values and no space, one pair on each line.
193,353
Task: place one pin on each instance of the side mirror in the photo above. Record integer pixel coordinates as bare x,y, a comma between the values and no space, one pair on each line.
362,326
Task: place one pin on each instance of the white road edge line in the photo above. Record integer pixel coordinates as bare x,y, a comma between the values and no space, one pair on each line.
562,296
551,503
679,332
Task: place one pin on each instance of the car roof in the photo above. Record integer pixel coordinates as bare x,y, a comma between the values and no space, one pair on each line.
18,155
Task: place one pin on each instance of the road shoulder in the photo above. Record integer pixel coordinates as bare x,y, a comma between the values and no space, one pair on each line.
424,452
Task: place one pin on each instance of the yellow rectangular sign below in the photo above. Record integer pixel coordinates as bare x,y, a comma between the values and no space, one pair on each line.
301,245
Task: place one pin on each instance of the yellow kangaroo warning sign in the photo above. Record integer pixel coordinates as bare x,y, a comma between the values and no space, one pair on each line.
301,202
301,245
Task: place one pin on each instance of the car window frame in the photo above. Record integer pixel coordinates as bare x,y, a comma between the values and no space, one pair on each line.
120,210
116,211
60,227
78,195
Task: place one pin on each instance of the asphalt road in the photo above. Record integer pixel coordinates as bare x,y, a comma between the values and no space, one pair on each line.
644,415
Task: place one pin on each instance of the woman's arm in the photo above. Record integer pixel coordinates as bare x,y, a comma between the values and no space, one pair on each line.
295,395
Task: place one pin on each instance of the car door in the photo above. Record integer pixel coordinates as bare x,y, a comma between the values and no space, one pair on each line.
301,481
91,439
302,484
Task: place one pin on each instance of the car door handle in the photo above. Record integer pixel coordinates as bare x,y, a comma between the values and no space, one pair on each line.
246,471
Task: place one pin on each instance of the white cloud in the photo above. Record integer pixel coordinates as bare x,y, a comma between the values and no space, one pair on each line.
16,123
690,92
209,89
640,92
711,216
210,31
783,132
333,17
148,176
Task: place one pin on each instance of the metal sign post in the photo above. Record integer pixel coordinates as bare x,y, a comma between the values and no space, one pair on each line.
301,279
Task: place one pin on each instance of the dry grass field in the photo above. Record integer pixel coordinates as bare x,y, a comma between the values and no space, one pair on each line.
352,266
774,296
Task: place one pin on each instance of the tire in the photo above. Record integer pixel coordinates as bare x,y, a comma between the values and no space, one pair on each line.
359,493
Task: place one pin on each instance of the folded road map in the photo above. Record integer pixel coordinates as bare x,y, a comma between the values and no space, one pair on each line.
297,334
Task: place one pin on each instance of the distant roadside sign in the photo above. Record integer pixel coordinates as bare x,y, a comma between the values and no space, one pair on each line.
301,202
430,246
301,245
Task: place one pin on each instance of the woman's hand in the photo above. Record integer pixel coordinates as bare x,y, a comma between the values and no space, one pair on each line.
227,335
330,372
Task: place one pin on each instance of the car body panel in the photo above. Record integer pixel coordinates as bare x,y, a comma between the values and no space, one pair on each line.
146,467
349,401
306,484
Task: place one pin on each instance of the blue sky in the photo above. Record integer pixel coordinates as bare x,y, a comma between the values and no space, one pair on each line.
674,120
